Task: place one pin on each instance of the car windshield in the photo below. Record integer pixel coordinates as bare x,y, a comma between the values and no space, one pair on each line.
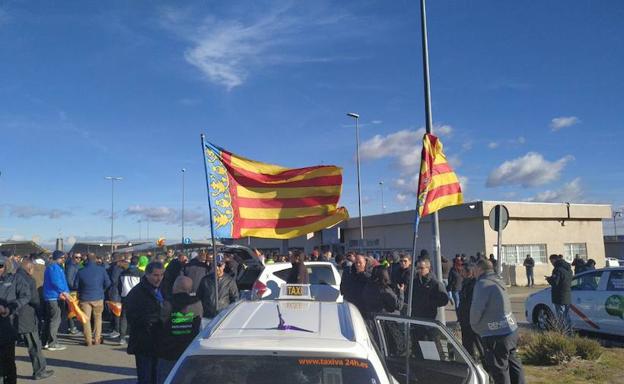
274,370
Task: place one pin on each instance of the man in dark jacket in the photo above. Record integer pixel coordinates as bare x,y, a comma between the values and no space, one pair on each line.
72,266
428,293
113,292
298,273
470,340
14,294
561,292
529,264
27,323
92,281
174,269
353,287
578,263
196,269
143,305
228,292
401,276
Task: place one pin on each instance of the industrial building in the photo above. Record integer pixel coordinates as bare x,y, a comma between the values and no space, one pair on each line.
538,229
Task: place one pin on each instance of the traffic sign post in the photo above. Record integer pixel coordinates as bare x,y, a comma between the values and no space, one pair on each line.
498,219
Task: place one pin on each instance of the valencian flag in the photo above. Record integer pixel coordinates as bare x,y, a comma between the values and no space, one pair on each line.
438,186
250,198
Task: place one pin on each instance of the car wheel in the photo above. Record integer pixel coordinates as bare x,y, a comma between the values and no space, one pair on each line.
543,318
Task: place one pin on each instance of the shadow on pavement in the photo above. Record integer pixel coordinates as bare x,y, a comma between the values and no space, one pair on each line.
85,366
118,381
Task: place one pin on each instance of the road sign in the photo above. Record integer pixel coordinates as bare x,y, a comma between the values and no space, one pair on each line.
187,241
499,217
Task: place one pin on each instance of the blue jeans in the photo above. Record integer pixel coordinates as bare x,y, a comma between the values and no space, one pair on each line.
146,367
530,280
455,298
563,316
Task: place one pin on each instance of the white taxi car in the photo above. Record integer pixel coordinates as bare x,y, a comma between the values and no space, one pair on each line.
295,340
597,303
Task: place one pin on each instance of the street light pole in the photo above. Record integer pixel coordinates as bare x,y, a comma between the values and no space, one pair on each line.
112,180
616,214
183,173
357,150
383,207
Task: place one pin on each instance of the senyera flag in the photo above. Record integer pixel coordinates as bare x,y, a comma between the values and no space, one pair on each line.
438,186
250,198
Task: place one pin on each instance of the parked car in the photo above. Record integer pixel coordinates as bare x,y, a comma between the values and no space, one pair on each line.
597,303
323,276
291,341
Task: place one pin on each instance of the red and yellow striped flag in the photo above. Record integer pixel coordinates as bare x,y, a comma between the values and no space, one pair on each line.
250,198
438,186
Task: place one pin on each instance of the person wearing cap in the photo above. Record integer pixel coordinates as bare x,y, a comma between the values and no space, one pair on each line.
14,294
55,288
228,292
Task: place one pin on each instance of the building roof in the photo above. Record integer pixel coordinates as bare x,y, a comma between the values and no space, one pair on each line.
22,247
481,209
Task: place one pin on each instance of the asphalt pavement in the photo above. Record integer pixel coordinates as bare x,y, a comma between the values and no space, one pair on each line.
109,363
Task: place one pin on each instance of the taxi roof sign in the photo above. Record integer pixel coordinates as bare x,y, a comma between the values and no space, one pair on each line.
295,291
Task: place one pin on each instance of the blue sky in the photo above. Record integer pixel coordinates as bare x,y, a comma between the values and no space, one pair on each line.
527,98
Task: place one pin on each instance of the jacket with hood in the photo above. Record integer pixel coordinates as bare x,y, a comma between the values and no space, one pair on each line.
128,279
114,272
561,281
228,293
54,282
196,270
181,321
490,311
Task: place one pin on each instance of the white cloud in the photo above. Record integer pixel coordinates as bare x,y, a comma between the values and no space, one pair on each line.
467,145
401,198
563,122
404,146
531,170
168,215
17,237
376,122
227,50
570,192
521,140
454,161
492,145
29,212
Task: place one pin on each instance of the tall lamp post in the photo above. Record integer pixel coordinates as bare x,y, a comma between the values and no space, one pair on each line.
383,207
183,172
112,180
616,214
357,151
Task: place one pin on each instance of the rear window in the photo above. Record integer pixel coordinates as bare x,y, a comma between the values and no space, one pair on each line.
318,274
274,370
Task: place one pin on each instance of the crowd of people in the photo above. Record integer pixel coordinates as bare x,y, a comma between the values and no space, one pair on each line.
154,304
162,298
488,326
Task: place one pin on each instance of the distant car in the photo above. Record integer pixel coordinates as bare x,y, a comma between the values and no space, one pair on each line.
323,276
613,262
597,303
296,340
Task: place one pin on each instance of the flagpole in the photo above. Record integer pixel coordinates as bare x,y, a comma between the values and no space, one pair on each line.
214,246
437,256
